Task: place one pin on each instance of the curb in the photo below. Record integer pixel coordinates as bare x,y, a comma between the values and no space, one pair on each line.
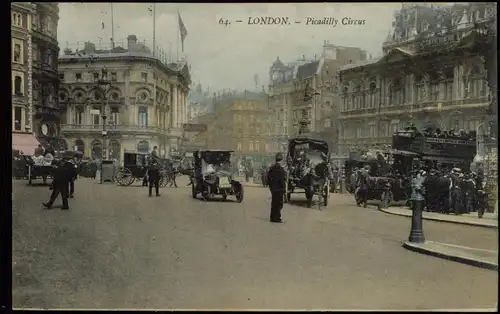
475,224
461,259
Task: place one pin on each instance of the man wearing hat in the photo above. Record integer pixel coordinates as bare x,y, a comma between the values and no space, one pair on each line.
276,181
62,175
154,176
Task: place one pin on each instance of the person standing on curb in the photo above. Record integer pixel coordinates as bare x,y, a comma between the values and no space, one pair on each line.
154,177
276,180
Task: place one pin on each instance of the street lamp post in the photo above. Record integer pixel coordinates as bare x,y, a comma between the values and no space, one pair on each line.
104,86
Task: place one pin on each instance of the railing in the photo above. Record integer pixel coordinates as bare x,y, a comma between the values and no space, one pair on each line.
113,128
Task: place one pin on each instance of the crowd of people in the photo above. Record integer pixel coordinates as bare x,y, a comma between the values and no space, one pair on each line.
445,191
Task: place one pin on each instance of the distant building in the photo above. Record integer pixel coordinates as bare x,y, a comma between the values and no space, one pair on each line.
146,104
426,77
240,123
309,85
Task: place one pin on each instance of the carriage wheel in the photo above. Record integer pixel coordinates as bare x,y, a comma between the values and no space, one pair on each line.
124,177
239,194
163,181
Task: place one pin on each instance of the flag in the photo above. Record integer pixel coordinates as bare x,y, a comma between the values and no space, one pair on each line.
182,30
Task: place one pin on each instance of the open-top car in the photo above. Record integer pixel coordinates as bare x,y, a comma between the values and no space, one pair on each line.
212,175
307,169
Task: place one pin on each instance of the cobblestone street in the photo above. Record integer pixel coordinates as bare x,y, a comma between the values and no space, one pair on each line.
117,248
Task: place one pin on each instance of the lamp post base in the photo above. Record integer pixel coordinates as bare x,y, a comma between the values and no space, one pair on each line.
417,233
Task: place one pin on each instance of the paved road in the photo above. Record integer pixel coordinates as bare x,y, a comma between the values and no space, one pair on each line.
117,248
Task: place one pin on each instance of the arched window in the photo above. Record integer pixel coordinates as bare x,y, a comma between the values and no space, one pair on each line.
114,149
372,95
97,149
80,146
396,92
18,82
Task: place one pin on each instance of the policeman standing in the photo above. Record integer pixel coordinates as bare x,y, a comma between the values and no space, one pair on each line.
276,181
60,184
154,177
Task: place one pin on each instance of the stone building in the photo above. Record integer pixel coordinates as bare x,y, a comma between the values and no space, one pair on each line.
145,104
35,110
310,86
426,77
240,123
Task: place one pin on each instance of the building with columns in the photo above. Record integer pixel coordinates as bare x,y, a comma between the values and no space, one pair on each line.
426,77
35,80
145,104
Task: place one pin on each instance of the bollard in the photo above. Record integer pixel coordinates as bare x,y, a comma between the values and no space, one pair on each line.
416,232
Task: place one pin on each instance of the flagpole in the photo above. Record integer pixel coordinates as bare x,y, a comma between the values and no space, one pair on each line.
112,27
178,31
154,29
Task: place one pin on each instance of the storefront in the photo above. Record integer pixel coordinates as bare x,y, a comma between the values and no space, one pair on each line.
25,143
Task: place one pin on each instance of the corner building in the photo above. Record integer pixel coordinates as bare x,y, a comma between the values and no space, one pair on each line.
145,106
426,77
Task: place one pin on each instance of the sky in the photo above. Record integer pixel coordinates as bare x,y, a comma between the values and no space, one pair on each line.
228,56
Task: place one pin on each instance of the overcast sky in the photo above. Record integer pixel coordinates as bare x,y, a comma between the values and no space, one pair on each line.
229,56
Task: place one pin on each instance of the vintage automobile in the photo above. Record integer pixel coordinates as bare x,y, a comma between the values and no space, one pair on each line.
212,176
311,175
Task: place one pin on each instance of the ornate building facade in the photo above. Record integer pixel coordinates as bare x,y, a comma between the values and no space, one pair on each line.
426,77
44,85
310,86
144,106
21,14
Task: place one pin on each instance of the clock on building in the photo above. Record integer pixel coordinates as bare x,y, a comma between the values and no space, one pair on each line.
45,129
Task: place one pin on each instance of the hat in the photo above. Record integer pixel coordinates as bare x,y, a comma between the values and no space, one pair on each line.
278,157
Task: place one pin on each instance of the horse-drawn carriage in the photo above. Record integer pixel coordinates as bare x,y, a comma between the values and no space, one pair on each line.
383,183
307,169
212,175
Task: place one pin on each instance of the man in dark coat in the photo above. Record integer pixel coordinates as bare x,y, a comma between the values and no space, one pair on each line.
154,177
73,176
363,187
63,173
276,182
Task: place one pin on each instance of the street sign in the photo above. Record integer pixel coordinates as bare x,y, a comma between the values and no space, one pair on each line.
188,127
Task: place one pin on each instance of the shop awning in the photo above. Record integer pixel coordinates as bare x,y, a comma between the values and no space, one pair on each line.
25,143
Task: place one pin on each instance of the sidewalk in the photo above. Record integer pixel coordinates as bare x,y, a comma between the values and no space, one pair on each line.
489,220
475,257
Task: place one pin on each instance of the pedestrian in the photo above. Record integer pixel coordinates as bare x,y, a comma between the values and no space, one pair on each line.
276,181
154,177
60,184
363,187
73,177
154,153
39,151
145,164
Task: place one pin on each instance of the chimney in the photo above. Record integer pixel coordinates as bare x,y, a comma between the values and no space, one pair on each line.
131,40
89,47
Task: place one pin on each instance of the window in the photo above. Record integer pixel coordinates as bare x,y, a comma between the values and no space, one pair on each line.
144,76
79,112
373,131
17,19
113,77
250,146
95,113
17,118
267,147
61,76
143,116
78,76
434,88
17,53
238,146
257,130
18,86
257,146
115,115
